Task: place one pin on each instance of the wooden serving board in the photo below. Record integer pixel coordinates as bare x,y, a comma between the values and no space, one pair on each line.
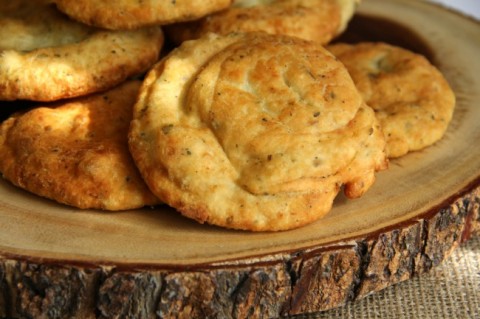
60,262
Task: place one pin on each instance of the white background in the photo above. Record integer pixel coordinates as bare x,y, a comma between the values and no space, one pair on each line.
469,7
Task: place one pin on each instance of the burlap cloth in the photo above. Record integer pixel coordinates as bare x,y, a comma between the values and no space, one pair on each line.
451,290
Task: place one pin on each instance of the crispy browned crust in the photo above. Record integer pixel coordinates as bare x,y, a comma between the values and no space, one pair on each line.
253,131
131,14
411,98
44,56
316,20
76,152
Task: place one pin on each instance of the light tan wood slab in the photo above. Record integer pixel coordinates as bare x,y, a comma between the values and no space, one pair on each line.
59,262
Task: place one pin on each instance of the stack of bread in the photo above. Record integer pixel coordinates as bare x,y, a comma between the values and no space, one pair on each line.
249,119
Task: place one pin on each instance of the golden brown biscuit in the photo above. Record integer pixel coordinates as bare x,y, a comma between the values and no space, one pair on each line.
76,152
411,98
131,14
253,131
316,20
44,56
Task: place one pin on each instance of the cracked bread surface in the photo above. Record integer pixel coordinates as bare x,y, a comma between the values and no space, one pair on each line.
253,131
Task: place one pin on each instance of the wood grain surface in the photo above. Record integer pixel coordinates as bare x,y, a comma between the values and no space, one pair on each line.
60,262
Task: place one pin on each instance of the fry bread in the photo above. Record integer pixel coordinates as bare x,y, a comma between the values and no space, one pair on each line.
44,56
76,152
131,14
253,131
316,20
411,98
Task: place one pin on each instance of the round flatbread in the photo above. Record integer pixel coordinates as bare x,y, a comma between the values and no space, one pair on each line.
316,20
76,152
253,131
45,56
131,14
411,98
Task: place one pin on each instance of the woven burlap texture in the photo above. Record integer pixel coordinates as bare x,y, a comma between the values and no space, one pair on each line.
451,290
